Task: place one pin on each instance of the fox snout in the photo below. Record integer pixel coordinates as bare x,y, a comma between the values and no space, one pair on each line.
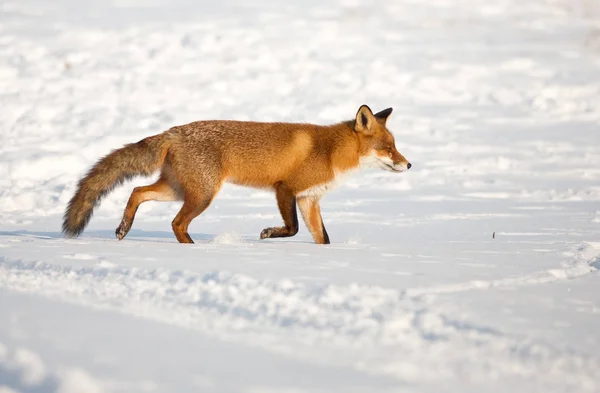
390,160
400,166
399,163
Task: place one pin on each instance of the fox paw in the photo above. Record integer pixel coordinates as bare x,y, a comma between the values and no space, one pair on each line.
267,233
122,230
277,232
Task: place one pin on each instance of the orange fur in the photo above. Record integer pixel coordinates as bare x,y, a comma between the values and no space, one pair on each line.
298,161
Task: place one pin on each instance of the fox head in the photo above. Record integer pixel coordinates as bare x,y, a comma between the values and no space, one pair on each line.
378,149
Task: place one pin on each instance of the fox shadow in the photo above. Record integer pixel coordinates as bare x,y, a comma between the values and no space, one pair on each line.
133,235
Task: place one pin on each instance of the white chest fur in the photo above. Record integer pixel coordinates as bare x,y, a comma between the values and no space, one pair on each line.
319,190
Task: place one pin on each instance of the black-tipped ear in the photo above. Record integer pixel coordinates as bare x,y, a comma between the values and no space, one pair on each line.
384,114
364,119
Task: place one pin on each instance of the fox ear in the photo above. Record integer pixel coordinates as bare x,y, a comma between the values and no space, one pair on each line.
364,120
383,115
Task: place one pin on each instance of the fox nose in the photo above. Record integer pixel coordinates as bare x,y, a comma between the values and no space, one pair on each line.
408,165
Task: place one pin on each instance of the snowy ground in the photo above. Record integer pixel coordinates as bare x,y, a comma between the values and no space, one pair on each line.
497,105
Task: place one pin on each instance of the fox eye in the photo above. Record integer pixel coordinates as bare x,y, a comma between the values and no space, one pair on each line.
390,151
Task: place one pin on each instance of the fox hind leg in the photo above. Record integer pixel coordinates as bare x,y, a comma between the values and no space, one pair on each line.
159,191
197,198
190,210
286,201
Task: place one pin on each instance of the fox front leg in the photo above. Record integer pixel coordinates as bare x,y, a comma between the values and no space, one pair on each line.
311,212
286,201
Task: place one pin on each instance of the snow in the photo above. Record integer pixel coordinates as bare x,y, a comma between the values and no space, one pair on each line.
497,106
26,371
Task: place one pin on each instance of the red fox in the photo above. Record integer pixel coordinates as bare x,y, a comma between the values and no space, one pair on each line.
300,162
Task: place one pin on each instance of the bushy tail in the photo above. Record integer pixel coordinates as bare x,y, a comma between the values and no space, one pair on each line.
142,158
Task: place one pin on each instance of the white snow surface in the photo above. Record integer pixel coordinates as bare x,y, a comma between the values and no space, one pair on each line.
475,271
